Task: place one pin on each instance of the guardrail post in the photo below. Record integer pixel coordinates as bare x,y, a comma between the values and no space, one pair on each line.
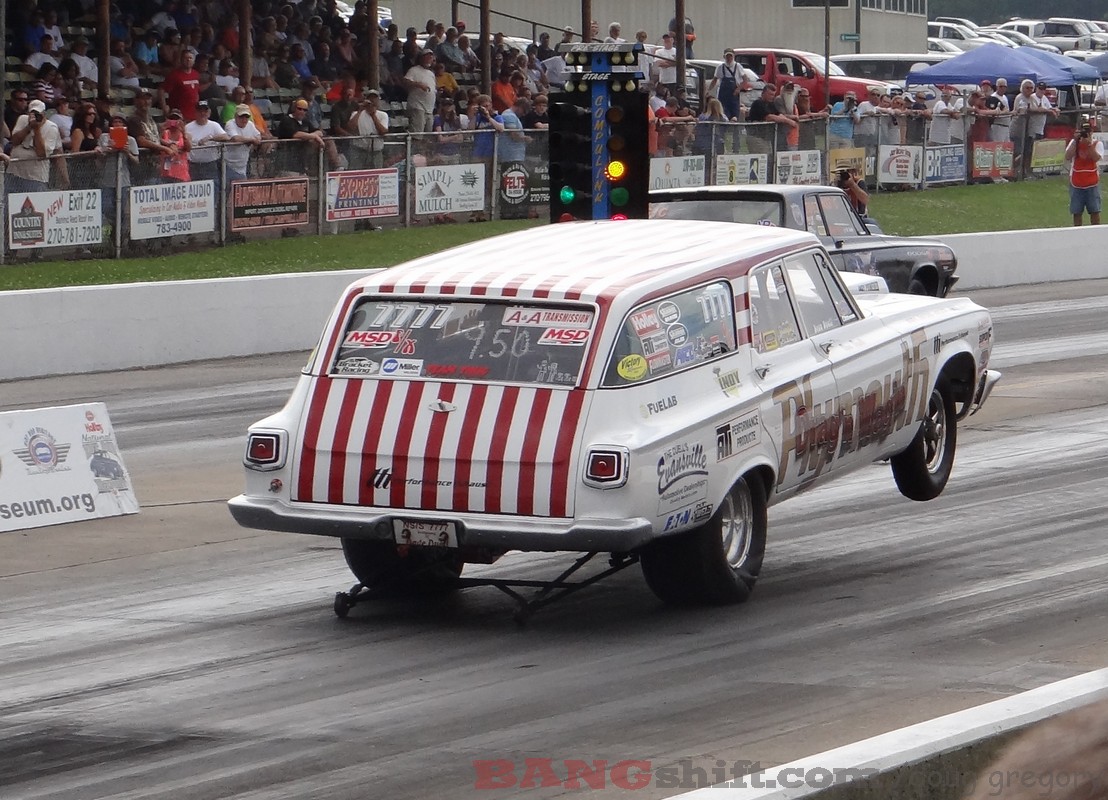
409,187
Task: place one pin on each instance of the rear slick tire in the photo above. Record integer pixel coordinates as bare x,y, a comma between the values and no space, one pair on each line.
922,470
379,565
717,563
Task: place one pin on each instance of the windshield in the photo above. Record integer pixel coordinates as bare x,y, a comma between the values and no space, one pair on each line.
754,211
821,67
496,342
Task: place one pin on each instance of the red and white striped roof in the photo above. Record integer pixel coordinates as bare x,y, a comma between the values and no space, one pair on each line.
587,261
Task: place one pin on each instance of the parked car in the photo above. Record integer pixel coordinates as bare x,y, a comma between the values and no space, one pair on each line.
646,388
805,69
1099,38
1063,36
937,45
889,68
749,90
915,266
1021,39
959,35
965,23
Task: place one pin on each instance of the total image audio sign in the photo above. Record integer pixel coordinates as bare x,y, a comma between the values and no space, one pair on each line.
172,209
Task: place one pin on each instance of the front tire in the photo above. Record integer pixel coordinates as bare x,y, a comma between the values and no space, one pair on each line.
380,565
717,563
916,286
922,470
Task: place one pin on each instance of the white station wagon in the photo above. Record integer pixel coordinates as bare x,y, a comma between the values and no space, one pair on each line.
645,388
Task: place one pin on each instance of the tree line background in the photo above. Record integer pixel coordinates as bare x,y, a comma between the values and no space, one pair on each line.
990,11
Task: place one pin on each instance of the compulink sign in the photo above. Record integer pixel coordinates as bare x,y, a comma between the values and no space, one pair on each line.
599,161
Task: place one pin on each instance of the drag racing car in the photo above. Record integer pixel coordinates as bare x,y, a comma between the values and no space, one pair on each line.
908,264
640,388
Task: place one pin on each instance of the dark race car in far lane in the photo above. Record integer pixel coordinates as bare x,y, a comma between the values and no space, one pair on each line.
908,265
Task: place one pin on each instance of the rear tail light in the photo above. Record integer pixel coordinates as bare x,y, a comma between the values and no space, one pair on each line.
606,467
265,450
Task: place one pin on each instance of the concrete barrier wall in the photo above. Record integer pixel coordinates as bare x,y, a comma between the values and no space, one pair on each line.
939,759
97,328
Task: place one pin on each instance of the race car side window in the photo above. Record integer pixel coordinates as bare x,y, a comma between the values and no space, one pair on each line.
772,318
846,309
812,216
672,334
841,221
817,311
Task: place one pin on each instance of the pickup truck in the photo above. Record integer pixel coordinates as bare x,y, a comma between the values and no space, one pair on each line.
805,69
1064,36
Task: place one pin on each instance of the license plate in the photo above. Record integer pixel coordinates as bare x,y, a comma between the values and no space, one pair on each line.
421,533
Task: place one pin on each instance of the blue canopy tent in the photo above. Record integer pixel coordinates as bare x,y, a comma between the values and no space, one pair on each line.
1080,71
1099,62
990,61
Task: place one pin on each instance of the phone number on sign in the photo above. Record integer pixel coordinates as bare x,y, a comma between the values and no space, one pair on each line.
78,234
181,226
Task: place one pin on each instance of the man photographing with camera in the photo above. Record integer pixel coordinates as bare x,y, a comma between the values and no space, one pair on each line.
1084,154
855,192
34,140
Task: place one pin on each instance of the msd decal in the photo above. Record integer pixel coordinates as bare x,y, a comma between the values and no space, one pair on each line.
373,338
569,336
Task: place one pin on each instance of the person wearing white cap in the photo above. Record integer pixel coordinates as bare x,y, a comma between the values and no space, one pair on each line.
420,82
372,125
943,116
243,136
665,62
34,140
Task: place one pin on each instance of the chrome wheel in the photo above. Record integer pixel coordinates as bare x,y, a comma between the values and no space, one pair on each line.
737,524
934,432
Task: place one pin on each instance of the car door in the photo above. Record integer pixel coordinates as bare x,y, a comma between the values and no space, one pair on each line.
795,377
795,69
879,381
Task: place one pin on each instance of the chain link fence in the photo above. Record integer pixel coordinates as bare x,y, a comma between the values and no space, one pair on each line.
117,200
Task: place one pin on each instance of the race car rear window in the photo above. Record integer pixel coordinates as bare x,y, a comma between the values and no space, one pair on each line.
753,210
672,334
493,342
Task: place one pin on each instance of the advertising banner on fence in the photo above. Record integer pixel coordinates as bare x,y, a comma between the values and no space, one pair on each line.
736,169
61,465
672,173
523,186
800,167
172,209
449,188
946,164
54,219
363,194
902,163
1048,156
992,159
847,158
277,202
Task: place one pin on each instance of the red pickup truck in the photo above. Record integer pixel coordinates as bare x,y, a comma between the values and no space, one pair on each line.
805,69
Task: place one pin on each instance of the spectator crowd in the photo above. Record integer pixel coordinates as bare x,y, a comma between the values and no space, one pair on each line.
176,106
